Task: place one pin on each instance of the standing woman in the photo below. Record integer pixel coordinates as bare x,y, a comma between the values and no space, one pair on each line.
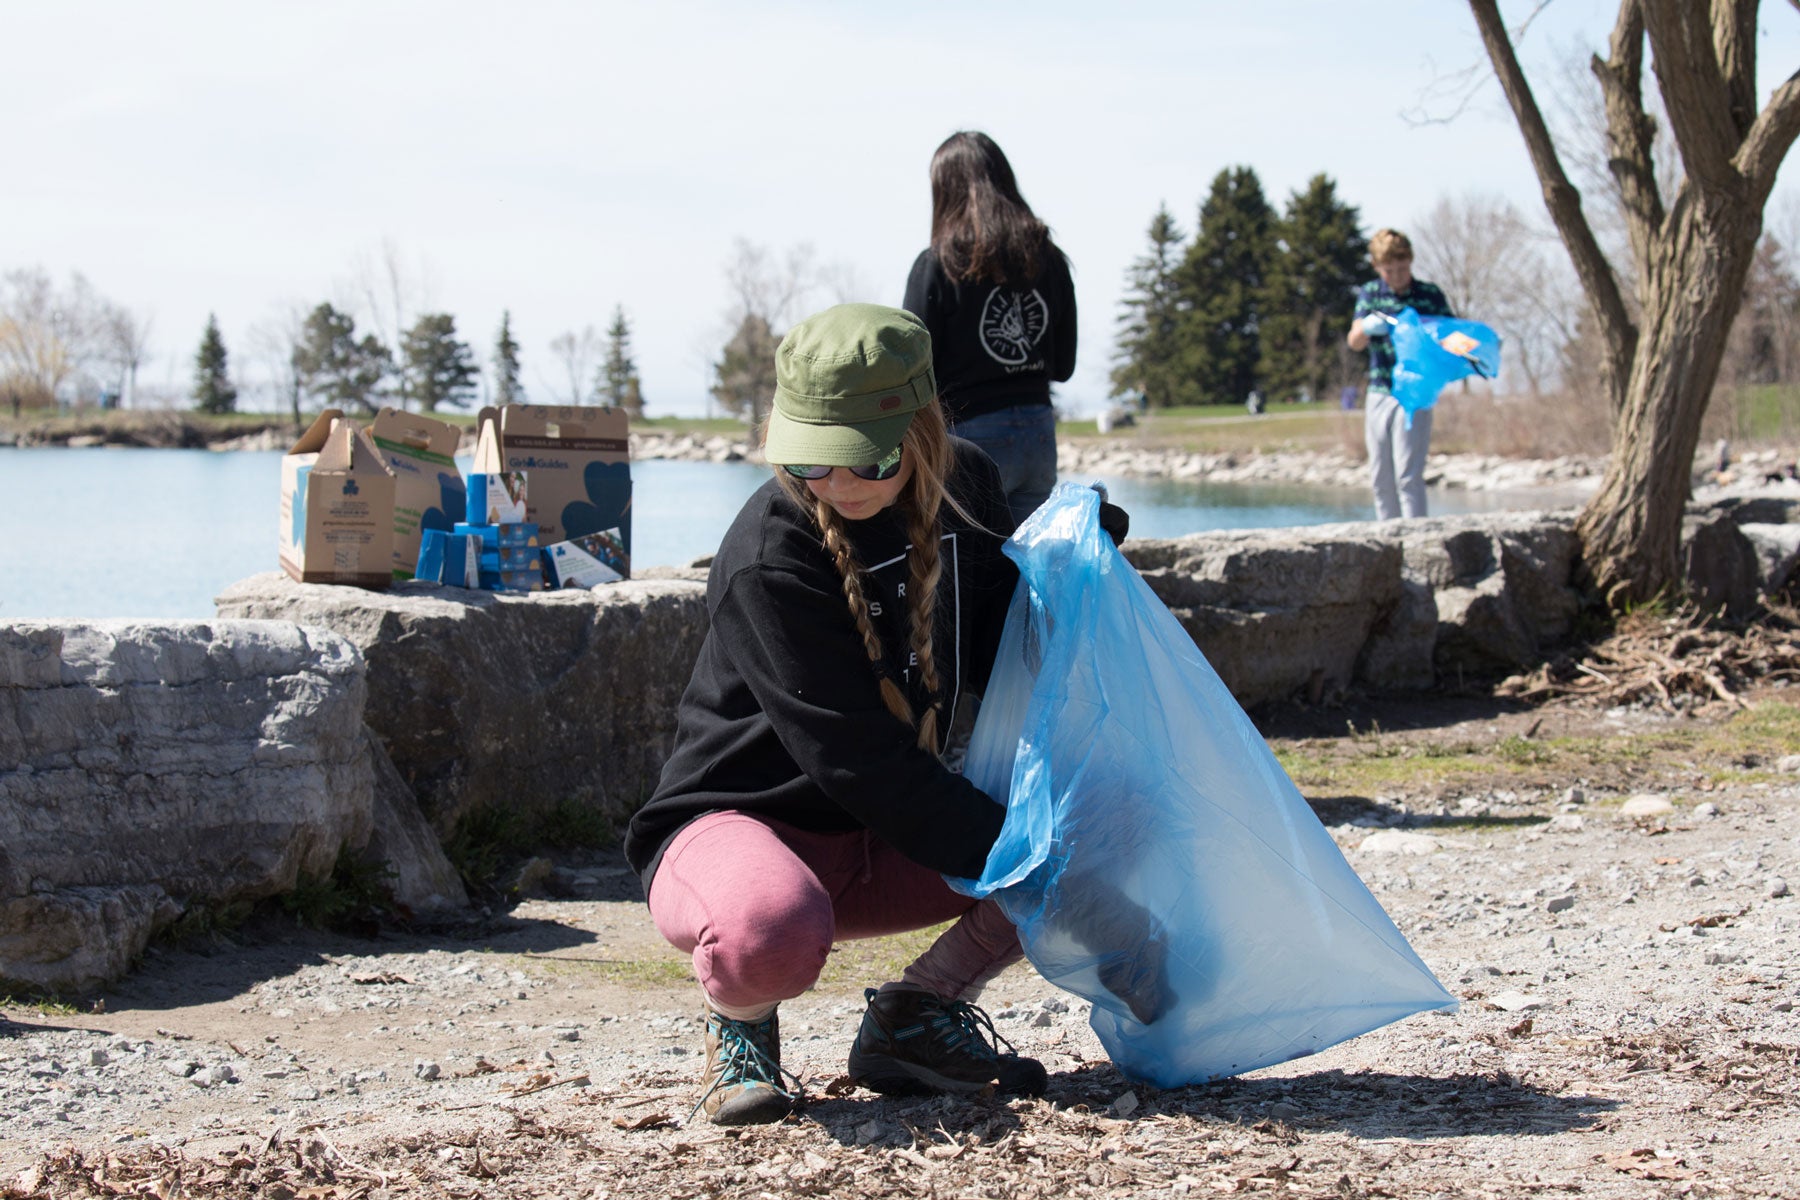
995,293
858,594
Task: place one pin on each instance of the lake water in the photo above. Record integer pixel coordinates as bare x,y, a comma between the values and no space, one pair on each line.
164,531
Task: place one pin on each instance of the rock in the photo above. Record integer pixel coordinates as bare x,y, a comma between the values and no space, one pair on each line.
163,766
519,703
1721,566
1561,904
1788,764
1707,811
1776,887
1273,608
421,879
1777,549
1566,823
426,1070
1395,841
532,876
1646,805
1515,1001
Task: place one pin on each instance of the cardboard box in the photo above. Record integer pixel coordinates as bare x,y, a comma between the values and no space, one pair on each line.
579,463
496,495
337,507
429,492
587,561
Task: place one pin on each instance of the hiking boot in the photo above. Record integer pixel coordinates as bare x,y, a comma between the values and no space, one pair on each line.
915,1043
743,1072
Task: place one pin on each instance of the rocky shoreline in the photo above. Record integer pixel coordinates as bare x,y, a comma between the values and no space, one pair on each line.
1112,456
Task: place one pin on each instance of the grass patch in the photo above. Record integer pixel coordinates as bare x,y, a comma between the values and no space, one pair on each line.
206,924
354,891
46,1005
871,962
1738,750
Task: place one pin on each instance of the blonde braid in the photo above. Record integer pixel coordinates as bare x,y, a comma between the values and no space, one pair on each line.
927,570
837,544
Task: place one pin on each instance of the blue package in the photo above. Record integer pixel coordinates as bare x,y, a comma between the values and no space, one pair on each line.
493,537
1430,352
512,581
447,558
1155,857
510,558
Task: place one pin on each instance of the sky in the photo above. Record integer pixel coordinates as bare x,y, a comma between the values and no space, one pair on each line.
556,158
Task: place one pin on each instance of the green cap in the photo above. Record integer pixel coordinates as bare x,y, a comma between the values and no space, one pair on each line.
847,383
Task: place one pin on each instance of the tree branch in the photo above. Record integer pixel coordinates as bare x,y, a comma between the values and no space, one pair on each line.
1693,89
1631,132
1734,43
1769,140
1560,196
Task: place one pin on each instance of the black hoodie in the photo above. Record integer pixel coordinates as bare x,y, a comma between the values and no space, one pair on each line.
783,715
994,346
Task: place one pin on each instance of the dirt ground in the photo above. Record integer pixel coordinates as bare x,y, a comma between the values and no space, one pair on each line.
1605,891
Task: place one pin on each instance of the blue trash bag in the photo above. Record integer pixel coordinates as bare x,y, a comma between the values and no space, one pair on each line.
1430,352
1155,857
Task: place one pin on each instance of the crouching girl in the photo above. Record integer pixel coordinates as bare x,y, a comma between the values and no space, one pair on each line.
858,595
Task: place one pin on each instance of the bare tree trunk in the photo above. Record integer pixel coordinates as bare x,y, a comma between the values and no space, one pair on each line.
1630,531
1692,257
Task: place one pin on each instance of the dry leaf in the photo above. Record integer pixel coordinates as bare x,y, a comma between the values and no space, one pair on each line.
650,1121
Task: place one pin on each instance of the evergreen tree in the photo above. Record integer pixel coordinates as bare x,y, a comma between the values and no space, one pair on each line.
1309,294
336,369
507,389
617,385
440,367
213,390
744,376
1221,284
1148,354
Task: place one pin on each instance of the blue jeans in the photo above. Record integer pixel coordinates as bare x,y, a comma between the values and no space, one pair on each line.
1022,442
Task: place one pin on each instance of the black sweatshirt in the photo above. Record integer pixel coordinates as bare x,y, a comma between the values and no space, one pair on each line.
783,715
996,347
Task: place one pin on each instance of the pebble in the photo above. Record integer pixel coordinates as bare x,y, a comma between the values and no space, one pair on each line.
1777,886
427,1070
1788,763
1707,811
1566,823
1646,804
1561,904
1515,1001
1395,841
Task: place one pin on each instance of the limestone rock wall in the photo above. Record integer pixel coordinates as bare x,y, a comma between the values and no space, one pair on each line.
523,702
146,766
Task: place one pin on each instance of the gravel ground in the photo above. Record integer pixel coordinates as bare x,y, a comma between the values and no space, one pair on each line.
1626,962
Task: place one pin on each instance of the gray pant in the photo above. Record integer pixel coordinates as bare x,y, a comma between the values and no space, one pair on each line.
1396,456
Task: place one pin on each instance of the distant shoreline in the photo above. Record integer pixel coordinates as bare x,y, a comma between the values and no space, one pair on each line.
1114,455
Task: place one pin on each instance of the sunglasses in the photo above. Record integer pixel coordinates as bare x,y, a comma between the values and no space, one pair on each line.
887,468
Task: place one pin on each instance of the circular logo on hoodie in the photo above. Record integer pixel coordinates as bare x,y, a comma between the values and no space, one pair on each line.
1011,324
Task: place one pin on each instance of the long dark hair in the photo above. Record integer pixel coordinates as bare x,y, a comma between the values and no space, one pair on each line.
981,228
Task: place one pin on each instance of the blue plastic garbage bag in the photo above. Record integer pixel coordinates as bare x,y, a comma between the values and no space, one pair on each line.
1430,352
1155,857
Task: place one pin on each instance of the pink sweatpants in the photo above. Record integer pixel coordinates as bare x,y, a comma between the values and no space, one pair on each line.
759,904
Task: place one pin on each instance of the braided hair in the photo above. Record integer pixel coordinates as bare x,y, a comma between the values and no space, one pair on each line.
927,448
